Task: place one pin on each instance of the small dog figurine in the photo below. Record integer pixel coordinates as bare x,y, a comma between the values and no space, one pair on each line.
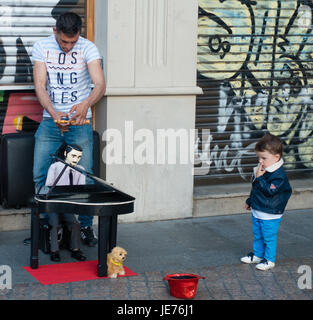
115,261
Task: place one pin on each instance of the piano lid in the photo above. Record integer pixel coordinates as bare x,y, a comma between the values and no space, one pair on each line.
85,195
101,187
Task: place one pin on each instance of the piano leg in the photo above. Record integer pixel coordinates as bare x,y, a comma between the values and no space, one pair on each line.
34,238
113,231
103,242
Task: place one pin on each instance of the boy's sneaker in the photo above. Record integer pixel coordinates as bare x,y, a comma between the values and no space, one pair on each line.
250,258
88,236
265,265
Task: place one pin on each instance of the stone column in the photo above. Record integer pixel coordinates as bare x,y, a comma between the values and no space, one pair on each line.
150,53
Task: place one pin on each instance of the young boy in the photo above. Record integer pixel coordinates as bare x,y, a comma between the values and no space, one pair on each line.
268,198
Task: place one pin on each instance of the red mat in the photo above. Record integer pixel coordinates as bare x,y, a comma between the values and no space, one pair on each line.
69,272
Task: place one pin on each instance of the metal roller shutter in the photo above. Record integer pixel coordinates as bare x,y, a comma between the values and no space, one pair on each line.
21,24
255,62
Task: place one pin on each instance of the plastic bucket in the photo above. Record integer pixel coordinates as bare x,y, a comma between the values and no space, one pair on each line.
183,285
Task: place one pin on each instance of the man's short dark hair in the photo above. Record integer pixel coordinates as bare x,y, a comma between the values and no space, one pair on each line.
69,23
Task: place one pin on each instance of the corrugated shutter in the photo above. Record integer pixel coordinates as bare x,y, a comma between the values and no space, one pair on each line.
255,65
21,24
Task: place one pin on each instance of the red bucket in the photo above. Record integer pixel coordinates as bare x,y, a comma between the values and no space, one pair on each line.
183,285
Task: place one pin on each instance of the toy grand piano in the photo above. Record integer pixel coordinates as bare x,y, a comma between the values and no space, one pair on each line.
98,199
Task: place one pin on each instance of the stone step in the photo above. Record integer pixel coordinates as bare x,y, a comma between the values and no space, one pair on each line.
216,200
14,219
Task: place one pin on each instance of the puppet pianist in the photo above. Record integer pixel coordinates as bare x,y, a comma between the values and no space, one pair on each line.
59,174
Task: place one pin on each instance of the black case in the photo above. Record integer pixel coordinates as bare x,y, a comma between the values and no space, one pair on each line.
64,236
17,156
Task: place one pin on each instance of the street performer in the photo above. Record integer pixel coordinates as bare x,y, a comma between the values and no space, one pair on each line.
65,66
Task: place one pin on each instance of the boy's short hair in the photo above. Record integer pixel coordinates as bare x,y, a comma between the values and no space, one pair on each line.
270,143
69,23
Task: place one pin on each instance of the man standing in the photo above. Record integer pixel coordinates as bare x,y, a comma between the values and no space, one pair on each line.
65,66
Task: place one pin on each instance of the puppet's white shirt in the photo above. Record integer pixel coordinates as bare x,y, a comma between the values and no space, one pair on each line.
56,168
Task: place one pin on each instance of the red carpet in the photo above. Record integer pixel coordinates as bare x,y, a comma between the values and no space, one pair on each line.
69,272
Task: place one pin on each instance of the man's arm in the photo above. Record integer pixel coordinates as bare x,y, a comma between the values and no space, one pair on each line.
40,79
97,77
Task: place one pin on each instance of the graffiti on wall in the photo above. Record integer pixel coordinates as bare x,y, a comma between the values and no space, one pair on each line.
259,54
20,26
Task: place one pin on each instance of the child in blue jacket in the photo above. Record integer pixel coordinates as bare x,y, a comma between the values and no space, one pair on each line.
268,198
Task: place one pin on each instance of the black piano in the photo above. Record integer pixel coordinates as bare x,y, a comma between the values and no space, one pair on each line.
98,199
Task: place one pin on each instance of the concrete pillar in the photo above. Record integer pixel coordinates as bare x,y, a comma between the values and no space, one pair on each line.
150,53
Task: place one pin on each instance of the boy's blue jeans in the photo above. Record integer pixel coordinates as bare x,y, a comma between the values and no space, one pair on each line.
48,140
265,238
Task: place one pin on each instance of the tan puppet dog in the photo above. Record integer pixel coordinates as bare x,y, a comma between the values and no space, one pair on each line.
115,261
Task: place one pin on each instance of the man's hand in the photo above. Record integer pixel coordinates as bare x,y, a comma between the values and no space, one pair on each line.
247,207
64,127
80,112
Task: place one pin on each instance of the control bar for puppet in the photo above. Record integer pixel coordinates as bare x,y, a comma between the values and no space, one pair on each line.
88,174
72,122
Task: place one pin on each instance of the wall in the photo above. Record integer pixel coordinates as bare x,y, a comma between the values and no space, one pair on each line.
255,67
150,65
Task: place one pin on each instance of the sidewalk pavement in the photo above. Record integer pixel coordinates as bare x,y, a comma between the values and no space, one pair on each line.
210,247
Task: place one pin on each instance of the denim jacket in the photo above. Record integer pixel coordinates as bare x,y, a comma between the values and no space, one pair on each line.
270,192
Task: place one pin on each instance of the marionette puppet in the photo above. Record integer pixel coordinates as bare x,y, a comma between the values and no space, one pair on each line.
61,174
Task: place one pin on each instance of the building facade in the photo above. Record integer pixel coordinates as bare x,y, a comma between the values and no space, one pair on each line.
191,86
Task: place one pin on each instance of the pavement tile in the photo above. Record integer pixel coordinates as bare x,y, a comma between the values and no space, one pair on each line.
139,293
159,293
21,292
39,292
5,294
80,290
61,291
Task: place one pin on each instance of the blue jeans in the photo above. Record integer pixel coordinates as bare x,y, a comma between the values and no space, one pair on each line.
48,140
265,238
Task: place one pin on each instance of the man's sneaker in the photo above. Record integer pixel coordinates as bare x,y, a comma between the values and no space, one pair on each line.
265,265
78,255
88,236
251,258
